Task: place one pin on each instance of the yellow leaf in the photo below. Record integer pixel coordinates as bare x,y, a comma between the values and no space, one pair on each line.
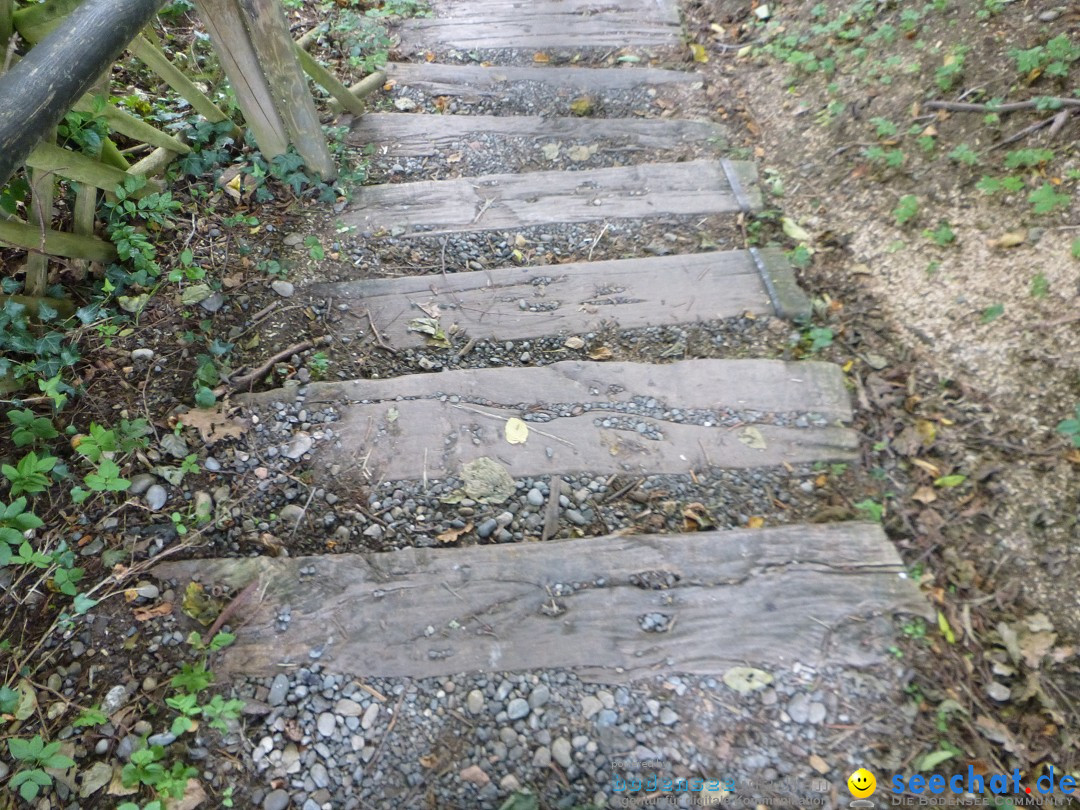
927,431
756,522
601,353
943,626
517,432
752,438
794,230
926,465
541,58
453,535
581,106
699,53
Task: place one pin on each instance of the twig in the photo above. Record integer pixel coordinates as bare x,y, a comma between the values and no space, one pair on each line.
386,734
551,511
300,520
1023,133
507,419
378,337
1075,316
252,376
1059,121
1013,106
230,609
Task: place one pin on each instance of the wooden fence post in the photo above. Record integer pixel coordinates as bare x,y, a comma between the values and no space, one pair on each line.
275,49
222,21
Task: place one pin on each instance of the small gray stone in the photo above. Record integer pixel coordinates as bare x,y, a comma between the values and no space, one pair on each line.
326,725
668,717
278,689
535,497
539,696
487,528
799,708
560,752
348,708
141,482
374,531
816,715
319,775
156,496
517,708
212,464
163,739
142,354
174,445
542,757
369,717
213,303
300,444
276,800
283,288
474,702
590,706
291,513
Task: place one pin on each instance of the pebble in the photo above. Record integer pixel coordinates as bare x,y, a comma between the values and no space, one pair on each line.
348,708
326,725
279,688
291,513
276,800
668,717
590,705
140,482
300,444
156,496
474,702
517,708
370,716
535,497
542,757
539,696
142,354
798,708
561,752
283,288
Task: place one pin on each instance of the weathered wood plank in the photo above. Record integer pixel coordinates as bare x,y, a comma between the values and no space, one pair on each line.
558,299
420,135
504,24
770,386
766,597
500,80
497,201
437,438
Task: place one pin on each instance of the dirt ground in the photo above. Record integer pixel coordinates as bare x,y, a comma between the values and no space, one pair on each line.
962,350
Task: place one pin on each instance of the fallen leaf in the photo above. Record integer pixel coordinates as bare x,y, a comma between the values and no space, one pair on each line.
582,106
794,230
818,764
199,606
144,614
517,432
698,50
1010,239
697,518
746,679
454,157
1035,646
213,425
550,151
581,153
930,761
601,353
752,438
755,522
922,464
926,430
925,495
194,795
94,779
541,58
453,535
428,761
487,480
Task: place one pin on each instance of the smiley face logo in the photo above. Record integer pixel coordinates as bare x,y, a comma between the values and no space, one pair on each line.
862,783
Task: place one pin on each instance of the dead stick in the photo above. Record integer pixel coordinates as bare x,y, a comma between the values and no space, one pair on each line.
252,376
1059,122
378,337
1013,106
230,609
1023,133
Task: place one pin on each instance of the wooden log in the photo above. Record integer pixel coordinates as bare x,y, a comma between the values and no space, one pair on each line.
6,28
42,191
56,243
130,126
237,56
363,88
153,163
36,20
154,59
76,166
45,84
329,82
65,309
269,34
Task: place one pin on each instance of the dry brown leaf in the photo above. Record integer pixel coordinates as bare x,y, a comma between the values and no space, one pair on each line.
933,469
194,795
1009,240
541,58
213,425
927,431
755,522
601,353
696,518
453,535
924,495
153,612
1035,646
429,761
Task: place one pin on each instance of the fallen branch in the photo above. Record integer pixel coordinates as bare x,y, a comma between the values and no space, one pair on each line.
230,609
1024,132
252,376
1012,106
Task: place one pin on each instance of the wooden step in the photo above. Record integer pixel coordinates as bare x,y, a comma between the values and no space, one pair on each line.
502,82
543,24
514,201
572,299
806,594
419,135
459,416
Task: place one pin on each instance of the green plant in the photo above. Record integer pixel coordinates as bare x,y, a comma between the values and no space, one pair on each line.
992,185
318,364
14,522
1046,199
884,127
1027,158
818,338
315,248
1070,428
30,474
892,158
193,678
35,755
964,154
97,442
218,711
186,270
145,768
90,717
992,313
401,8
942,235
1075,248
952,68
1051,59
906,209
30,428
871,508
1040,286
